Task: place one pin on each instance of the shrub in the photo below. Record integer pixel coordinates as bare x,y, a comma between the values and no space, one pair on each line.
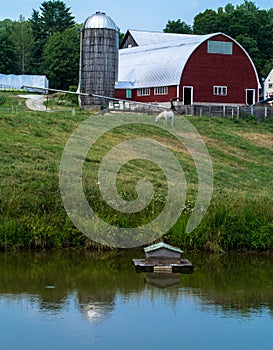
2,100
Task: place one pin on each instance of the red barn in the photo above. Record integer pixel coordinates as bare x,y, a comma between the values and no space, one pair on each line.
197,69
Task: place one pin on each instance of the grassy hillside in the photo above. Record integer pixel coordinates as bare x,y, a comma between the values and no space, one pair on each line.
32,215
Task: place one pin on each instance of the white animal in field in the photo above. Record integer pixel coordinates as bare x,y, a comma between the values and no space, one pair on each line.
166,115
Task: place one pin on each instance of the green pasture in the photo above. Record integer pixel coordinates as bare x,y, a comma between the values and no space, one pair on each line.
32,215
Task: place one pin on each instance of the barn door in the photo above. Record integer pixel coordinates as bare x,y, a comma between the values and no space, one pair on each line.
250,97
187,95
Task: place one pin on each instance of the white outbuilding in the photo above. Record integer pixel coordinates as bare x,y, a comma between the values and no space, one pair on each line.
268,85
16,82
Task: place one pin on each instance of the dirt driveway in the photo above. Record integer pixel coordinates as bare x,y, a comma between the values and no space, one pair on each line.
35,102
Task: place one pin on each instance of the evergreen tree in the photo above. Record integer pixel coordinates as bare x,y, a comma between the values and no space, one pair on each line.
23,43
7,58
53,17
61,58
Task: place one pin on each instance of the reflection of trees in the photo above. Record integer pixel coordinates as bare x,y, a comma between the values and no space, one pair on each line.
94,278
239,283
231,283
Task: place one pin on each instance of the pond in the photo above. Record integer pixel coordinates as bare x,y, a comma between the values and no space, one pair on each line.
83,300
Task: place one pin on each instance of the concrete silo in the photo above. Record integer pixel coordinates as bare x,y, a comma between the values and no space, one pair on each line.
99,58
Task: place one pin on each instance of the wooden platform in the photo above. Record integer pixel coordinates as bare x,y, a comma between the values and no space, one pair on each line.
141,265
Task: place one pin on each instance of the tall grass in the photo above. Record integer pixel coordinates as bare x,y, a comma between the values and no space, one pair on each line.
240,216
232,223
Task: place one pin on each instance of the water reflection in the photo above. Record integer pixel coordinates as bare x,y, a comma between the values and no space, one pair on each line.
70,300
97,311
232,283
163,280
236,284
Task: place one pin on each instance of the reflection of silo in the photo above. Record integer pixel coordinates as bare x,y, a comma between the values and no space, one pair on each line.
99,58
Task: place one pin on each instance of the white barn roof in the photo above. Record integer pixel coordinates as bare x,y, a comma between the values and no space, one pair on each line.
156,64
144,37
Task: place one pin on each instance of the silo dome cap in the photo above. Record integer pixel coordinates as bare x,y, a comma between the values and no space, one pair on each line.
99,20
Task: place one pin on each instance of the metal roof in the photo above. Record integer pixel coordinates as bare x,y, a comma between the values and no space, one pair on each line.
99,20
144,37
159,64
161,245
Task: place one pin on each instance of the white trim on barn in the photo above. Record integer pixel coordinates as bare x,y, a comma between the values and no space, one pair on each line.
187,95
250,97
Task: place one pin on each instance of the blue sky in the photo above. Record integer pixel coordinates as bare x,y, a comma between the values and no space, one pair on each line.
140,14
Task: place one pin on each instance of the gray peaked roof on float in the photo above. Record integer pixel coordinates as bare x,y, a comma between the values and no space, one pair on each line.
159,60
162,245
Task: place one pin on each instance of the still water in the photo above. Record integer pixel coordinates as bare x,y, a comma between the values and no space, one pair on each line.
80,300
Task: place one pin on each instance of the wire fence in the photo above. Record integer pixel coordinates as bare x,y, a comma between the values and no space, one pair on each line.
259,113
234,112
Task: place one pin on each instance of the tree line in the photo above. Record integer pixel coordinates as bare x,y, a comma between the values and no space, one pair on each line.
251,26
49,41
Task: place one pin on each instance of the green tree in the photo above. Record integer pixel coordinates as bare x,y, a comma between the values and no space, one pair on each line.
206,22
250,45
120,36
61,58
39,40
267,67
5,24
53,17
177,27
8,64
23,42
246,23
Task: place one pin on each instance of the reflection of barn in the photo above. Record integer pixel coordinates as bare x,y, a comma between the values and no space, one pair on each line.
197,69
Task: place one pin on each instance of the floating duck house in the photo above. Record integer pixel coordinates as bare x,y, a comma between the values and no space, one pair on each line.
162,253
162,257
